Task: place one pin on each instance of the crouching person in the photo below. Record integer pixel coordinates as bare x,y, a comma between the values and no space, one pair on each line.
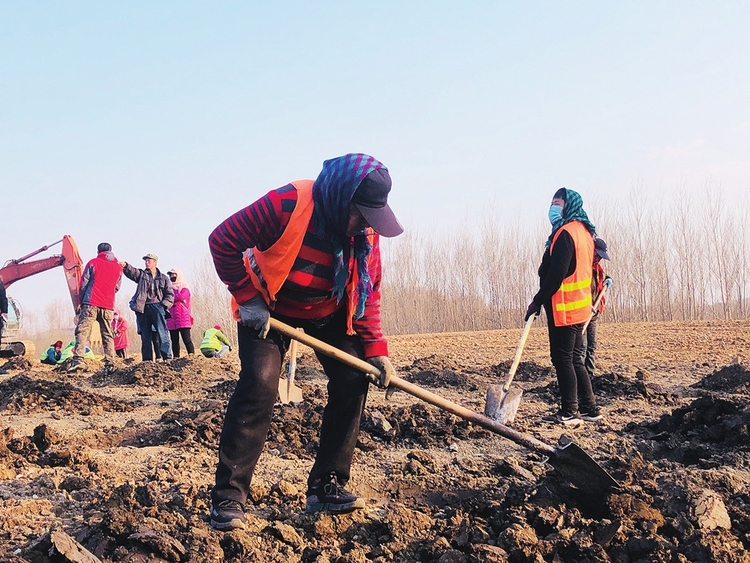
215,344
312,261
52,355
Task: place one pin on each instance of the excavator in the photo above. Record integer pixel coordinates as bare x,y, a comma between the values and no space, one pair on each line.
18,269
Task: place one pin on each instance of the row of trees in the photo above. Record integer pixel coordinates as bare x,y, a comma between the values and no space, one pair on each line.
677,257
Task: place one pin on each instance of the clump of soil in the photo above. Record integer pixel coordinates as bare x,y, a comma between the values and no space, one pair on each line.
22,394
734,378
17,364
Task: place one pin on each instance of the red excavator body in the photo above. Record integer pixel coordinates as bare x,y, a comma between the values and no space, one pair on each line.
18,269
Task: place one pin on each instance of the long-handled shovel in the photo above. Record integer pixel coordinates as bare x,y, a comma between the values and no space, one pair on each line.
502,401
569,459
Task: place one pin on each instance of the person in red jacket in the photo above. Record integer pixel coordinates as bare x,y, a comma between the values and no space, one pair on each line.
99,283
307,254
120,330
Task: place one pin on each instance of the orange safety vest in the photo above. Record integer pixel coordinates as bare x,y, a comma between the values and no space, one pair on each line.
571,304
268,269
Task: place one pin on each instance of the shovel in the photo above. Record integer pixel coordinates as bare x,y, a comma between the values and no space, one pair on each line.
288,391
502,403
568,458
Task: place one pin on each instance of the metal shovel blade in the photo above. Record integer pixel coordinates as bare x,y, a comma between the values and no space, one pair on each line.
581,470
502,405
502,402
289,393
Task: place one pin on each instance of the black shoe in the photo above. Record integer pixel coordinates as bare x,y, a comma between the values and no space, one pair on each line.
562,417
331,497
592,414
228,515
75,365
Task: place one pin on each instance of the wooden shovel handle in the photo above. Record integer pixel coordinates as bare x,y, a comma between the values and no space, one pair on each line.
594,307
414,390
519,351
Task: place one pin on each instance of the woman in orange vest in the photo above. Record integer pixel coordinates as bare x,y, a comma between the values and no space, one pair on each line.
307,254
565,293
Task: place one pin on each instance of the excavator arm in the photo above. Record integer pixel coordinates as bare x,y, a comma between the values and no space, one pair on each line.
69,259
19,269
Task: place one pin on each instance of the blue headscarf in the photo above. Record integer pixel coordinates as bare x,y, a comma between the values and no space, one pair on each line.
572,211
332,194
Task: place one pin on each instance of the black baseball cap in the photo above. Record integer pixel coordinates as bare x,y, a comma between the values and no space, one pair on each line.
371,198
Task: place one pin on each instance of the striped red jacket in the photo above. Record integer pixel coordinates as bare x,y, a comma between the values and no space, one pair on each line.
307,290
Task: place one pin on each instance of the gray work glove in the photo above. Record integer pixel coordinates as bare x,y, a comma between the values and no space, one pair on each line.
386,369
254,314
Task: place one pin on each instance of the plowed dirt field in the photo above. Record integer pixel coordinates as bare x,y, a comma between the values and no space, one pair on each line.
118,465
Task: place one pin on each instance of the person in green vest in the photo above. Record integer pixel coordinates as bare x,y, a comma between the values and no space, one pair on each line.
215,344
52,354
67,353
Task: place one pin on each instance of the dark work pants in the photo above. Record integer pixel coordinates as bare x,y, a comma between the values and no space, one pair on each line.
589,347
153,319
249,411
566,351
185,333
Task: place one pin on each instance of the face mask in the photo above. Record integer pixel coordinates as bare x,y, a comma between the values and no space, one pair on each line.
555,214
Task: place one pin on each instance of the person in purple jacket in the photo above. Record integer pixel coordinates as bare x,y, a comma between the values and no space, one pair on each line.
180,319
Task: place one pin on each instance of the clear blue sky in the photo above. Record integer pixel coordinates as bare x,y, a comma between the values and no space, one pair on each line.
145,124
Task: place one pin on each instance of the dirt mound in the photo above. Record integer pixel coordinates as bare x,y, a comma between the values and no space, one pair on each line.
16,364
526,371
198,424
22,394
165,376
436,371
734,378
709,432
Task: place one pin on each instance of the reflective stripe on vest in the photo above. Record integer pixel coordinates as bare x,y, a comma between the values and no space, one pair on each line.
571,303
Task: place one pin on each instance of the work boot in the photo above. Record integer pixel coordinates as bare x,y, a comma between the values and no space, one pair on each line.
329,496
571,420
228,515
75,365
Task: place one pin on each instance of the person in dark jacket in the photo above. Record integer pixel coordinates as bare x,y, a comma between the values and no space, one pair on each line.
152,299
313,261
565,293
99,283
